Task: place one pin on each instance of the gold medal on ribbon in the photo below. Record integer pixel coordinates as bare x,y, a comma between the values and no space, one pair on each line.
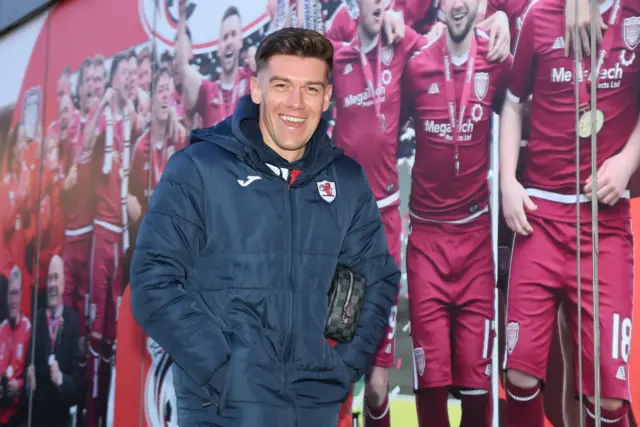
584,126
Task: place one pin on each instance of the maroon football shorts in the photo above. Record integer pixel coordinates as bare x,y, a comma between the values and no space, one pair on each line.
77,259
544,273
451,294
385,354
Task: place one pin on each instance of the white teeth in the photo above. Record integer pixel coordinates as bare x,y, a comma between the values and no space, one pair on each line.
292,119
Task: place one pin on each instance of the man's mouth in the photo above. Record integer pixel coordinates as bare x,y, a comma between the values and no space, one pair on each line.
292,121
53,292
228,54
378,12
458,16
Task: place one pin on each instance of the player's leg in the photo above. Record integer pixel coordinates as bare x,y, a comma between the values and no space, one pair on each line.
429,300
616,308
570,405
472,325
101,275
376,405
537,265
107,359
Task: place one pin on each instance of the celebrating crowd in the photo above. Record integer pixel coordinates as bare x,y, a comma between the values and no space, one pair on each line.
75,194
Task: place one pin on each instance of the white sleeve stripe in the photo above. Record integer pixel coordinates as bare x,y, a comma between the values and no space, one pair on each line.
511,97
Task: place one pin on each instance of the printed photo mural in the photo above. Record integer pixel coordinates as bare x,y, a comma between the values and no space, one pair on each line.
97,96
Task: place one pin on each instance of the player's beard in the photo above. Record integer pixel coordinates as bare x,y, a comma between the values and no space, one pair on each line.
460,36
272,122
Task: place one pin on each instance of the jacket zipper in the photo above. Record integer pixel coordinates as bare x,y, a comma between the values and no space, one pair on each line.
287,344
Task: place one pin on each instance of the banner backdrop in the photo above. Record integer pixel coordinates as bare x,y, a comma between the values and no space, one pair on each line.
56,69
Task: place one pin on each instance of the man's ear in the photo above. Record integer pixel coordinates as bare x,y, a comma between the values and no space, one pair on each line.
327,97
256,90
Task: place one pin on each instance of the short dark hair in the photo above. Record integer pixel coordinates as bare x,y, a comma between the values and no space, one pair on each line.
131,53
86,63
229,12
295,42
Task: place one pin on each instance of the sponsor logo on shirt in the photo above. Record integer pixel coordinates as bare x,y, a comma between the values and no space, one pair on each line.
610,78
443,130
364,98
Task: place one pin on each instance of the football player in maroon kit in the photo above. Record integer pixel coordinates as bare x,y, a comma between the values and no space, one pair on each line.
78,204
213,101
109,140
542,209
14,197
15,332
451,87
367,90
156,144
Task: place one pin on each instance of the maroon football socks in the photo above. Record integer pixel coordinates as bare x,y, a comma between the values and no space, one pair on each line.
617,418
378,417
432,407
525,407
476,408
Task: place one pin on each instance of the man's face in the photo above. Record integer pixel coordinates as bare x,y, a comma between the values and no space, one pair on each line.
14,298
64,87
86,93
230,43
162,98
55,283
64,112
132,74
121,80
371,12
292,93
99,80
460,16
144,75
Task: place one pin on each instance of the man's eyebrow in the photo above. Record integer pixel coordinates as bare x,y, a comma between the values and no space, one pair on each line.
306,83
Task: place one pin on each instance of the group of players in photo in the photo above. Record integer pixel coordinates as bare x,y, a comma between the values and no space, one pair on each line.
443,67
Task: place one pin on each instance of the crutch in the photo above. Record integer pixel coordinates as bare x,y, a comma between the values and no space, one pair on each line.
594,215
595,249
494,186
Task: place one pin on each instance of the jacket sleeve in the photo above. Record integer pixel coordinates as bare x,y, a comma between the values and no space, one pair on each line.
365,250
172,235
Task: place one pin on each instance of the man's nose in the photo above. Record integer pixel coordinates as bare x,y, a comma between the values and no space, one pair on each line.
295,99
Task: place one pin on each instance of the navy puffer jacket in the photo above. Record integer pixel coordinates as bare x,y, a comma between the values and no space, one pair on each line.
231,271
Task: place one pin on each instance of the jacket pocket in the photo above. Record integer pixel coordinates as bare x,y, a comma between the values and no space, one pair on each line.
217,388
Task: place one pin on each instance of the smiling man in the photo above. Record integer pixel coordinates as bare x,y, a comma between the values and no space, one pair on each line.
214,101
236,254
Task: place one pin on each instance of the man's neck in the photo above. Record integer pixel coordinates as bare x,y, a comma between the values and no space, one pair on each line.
459,49
230,77
120,104
158,131
367,41
54,309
